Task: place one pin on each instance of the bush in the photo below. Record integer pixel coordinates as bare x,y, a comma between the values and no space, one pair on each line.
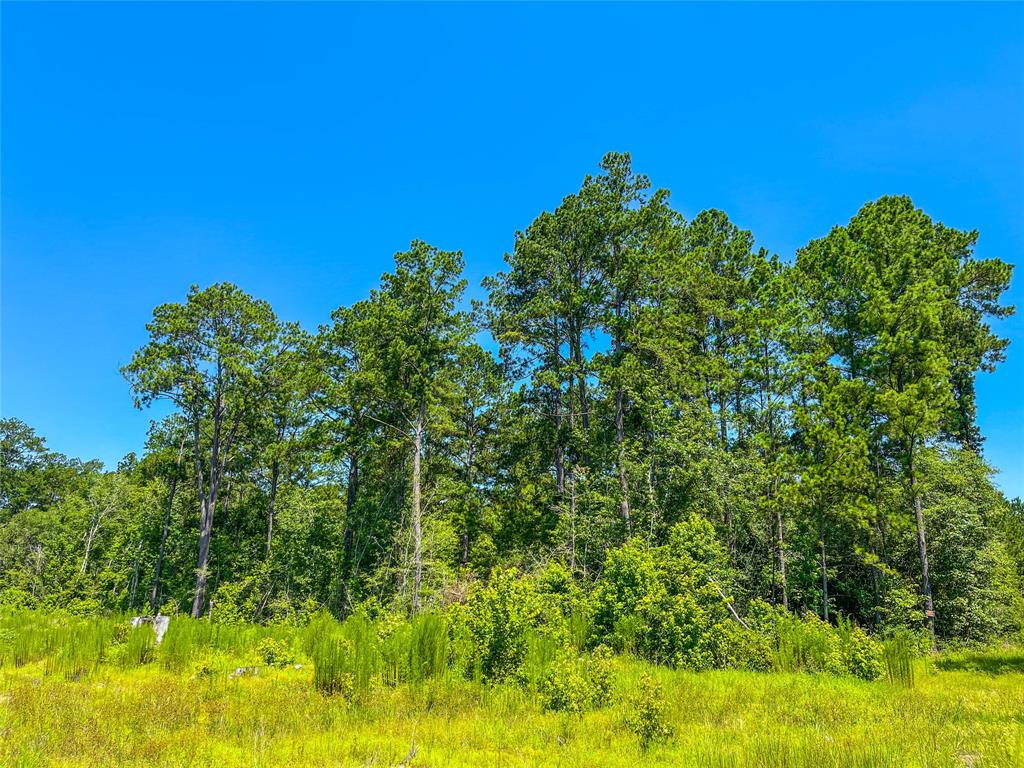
274,653
565,688
646,714
575,685
809,644
666,603
860,654
732,646
498,617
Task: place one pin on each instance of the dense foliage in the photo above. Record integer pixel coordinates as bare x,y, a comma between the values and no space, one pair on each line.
681,446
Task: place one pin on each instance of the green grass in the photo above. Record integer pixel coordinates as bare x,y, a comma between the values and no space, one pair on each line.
992,662
119,703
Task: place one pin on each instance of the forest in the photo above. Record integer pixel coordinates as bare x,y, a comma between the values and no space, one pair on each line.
652,443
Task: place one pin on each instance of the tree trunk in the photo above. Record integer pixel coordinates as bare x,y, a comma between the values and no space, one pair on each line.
559,463
922,546
782,556
559,448
620,436
154,595
417,500
135,577
351,494
203,559
576,352
275,473
94,527
208,503
824,583
572,523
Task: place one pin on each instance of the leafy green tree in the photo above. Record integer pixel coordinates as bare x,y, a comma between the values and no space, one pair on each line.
406,342
211,357
904,303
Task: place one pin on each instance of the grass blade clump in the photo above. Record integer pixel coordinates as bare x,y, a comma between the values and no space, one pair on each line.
23,637
541,653
185,639
428,647
898,652
140,647
366,654
76,647
332,662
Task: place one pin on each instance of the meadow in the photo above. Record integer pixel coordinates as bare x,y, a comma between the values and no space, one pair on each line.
91,692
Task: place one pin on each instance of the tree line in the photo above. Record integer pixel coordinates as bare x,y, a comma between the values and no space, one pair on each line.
630,370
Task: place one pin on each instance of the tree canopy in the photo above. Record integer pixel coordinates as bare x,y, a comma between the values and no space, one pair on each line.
639,391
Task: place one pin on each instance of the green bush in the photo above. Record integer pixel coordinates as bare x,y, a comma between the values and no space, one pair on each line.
808,644
645,715
860,654
575,685
274,653
666,603
498,617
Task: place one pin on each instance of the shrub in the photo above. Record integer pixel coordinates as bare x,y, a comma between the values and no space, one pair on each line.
498,617
575,685
646,714
860,655
730,645
600,674
809,644
274,653
565,688
666,603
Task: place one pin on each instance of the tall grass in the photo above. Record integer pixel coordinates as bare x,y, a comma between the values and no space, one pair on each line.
183,639
332,662
76,648
801,645
140,647
23,637
718,719
898,650
365,663
581,627
541,653
428,647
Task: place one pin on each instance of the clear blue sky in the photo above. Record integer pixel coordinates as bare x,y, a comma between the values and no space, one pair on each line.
292,149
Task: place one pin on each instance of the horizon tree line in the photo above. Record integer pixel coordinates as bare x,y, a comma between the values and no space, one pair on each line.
820,412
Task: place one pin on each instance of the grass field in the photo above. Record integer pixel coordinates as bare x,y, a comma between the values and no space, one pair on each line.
963,710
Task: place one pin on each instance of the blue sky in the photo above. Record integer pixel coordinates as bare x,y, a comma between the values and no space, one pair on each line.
292,149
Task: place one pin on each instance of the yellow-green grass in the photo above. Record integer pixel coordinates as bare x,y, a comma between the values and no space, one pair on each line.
151,716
